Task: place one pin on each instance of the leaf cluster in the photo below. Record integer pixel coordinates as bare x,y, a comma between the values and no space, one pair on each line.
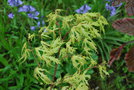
67,49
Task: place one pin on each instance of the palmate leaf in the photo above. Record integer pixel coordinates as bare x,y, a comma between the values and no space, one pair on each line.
129,6
125,25
129,57
115,54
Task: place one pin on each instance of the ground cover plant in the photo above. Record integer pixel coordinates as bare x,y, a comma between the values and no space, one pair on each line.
64,45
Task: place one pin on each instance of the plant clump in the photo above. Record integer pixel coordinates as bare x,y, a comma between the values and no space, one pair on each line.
67,52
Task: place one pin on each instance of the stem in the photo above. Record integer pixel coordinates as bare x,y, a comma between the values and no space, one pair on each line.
88,68
56,65
55,70
129,42
66,35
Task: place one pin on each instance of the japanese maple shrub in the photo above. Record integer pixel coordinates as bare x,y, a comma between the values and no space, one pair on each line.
66,54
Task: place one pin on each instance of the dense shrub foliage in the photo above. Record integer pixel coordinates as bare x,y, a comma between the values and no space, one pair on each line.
67,50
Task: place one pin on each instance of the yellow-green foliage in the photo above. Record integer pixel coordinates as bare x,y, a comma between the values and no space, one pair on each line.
25,53
68,42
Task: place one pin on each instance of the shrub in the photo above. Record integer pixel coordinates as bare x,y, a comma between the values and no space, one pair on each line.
67,51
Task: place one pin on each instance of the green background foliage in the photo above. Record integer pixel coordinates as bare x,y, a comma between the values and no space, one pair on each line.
20,63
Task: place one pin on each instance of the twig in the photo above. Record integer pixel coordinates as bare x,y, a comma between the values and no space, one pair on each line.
56,65
55,70
66,35
129,42
88,68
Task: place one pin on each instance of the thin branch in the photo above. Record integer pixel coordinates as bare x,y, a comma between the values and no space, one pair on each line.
55,70
88,68
129,42
56,65
66,35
